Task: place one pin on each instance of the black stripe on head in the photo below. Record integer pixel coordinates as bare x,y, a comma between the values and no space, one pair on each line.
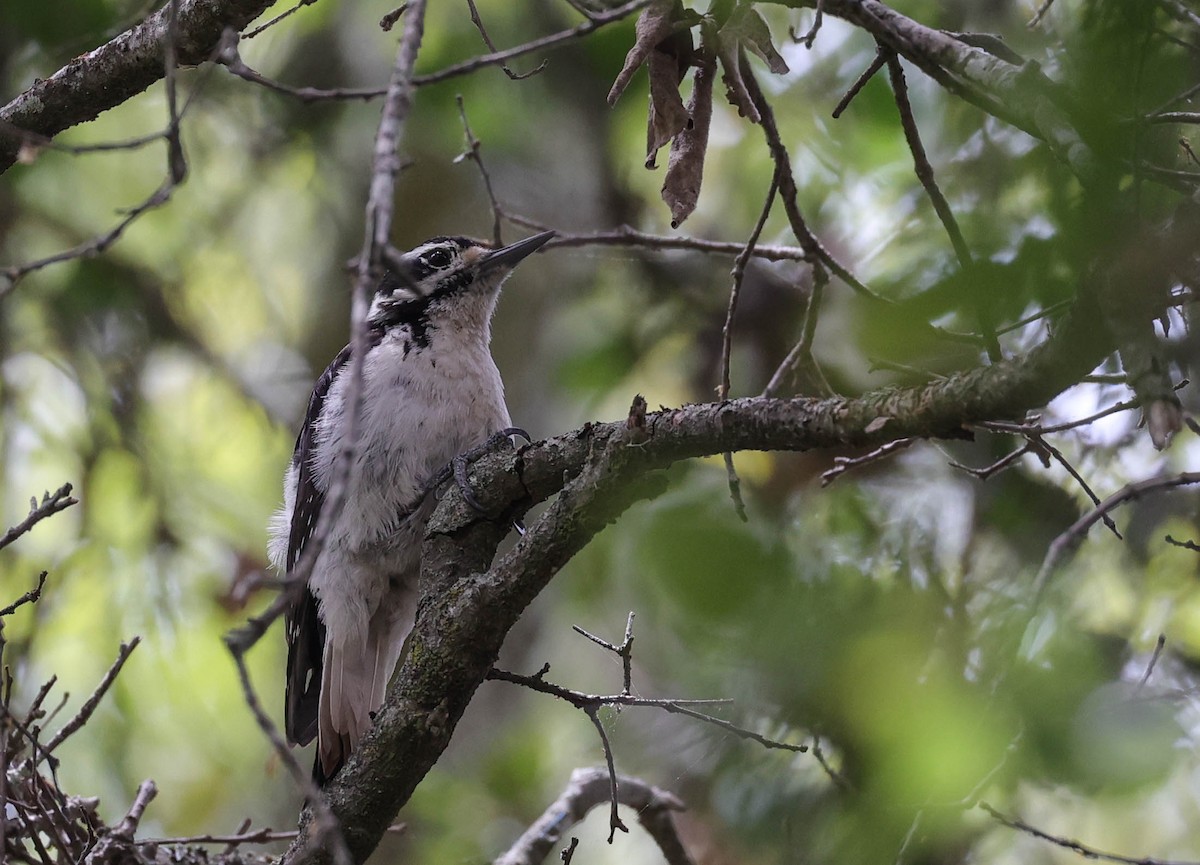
431,271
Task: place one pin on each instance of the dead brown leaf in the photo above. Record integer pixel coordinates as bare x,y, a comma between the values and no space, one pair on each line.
685,169
654,25
668,116
731,74
745,26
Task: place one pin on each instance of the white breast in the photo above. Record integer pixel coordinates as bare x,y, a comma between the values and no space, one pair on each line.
418,412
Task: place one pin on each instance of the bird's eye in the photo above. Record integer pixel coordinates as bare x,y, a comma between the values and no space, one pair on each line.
439,258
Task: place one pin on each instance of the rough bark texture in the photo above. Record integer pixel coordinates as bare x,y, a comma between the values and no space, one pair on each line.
119,69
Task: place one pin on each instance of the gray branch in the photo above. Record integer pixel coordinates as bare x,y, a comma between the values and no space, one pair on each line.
587,789
469,602
118,70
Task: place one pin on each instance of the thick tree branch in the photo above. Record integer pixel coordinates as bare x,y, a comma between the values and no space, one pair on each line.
469,602
117,70
1018,94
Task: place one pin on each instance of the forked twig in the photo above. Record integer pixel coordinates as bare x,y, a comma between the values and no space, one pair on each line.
51,504
89,705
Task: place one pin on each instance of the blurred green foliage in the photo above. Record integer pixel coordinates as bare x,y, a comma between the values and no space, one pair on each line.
889,614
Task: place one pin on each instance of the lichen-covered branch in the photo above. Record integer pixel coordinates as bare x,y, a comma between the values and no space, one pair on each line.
119,69
469,602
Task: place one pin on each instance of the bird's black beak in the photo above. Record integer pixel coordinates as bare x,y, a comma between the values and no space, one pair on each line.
509,256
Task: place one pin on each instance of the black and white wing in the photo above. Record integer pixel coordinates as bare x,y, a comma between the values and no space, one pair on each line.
304,629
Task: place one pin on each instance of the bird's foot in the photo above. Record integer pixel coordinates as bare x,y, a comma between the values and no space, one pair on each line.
458,466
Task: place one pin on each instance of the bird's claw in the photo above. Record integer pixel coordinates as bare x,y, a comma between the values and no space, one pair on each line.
458,465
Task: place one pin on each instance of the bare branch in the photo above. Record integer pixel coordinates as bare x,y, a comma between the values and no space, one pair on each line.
1187,545
30,597
89,705
814,251
924,172
1062,546
589,702
51,504
512,76
1083,850
841,465
623,651
614,818
735,290
258,836
472,153
1159,645
326,828
586,789
875,65
368,270
287,13
118,70
1040,13
801,354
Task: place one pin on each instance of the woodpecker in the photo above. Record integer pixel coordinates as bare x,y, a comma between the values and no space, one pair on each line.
429,392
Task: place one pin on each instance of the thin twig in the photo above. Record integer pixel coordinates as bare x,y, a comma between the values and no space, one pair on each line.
30,597
51,504
924,171
1052,309
1087,852
89,706
738,275
801,353
91,248
876,64
593,23
834,775
388,21
1065,543
236,66
586,789
281,16
614,818
581,700
258,836
472,153
1187,545
129,823
513,76
623,651
325,822
1159,645
1040,13
811,36
1036,429
1040,443
841,465
808,241
368,270
998,466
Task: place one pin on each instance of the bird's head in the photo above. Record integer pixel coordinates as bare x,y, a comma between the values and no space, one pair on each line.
455,278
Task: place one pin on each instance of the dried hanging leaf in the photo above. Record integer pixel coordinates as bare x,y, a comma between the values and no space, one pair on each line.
731,74
668,116
1164,418
747,27
654,25
685,169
